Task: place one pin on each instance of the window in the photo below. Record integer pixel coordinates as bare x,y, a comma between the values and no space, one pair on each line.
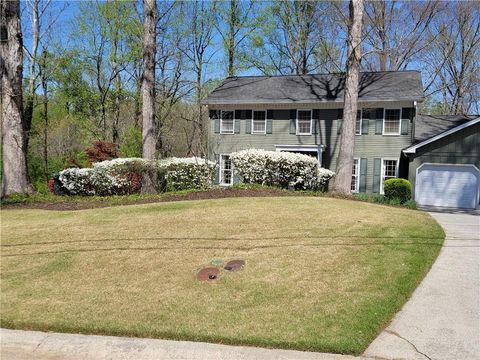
226,170
226,122
389,170
391,122
259,122
355,177
304,122
358,123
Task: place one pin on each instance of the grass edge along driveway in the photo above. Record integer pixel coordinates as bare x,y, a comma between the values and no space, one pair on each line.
322,274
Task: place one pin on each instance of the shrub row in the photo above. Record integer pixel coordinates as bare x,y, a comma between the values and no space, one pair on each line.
124,176
284,169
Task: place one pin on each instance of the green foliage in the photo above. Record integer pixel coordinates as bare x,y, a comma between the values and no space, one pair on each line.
410,204
363,196
400,189
382,199
131,143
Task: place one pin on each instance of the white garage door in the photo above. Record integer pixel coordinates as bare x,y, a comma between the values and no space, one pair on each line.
447,185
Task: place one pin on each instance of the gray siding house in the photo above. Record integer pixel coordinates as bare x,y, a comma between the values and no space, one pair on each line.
303,114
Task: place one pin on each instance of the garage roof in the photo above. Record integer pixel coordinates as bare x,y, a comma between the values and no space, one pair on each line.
427,126
373,86
462,122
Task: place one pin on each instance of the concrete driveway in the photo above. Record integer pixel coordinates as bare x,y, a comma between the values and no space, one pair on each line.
442,319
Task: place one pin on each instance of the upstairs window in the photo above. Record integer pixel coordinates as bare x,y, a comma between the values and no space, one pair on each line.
358,123
226,122
259,122
391,122
355,177
304,122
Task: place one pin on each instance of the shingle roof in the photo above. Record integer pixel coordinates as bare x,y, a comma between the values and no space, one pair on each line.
427,126
373,86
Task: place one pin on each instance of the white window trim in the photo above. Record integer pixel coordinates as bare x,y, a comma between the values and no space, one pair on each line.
399,123
382,172
220,177
311,122
221,122
357,180
361,123
259,132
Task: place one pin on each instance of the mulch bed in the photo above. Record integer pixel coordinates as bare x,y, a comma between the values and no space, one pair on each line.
198,195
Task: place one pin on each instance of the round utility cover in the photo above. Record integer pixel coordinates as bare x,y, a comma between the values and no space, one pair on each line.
234,265
208,274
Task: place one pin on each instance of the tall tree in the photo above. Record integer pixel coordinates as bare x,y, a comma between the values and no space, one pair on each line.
148,80
13,125
32,71
343,177
396,32
289,39
197,53
234,24
453,58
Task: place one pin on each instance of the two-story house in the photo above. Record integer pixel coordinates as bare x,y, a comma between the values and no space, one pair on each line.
303,114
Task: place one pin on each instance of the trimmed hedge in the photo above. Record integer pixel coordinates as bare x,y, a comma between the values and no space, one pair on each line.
400,189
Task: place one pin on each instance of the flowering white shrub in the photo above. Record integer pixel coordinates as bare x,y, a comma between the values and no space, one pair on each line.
92,181
187,173
280,168
124,176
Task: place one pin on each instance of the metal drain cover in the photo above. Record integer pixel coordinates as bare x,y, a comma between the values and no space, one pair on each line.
234,265
208,274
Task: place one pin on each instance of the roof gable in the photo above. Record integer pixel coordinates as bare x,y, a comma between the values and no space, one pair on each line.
373,86
460,126
427,126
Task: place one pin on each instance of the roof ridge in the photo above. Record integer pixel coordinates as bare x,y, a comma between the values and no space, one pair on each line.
313,74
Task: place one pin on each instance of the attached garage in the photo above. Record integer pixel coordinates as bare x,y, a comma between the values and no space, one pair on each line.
446,185
443,167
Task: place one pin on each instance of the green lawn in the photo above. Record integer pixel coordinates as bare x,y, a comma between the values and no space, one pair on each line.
321,274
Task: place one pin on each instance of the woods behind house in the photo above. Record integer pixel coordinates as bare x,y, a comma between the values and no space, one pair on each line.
83,64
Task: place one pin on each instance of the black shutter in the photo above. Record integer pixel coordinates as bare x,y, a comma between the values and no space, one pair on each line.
248,121
315,120
293,121
339,121
379,121
407,117
237,125
362,187
365,121
215,116
377,168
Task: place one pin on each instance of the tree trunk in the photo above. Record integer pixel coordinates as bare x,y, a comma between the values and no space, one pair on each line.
148,88
343,177
44,80
29,103
231,37
13,132
116,115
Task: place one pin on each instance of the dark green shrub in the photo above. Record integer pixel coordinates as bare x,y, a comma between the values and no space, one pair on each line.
398,189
